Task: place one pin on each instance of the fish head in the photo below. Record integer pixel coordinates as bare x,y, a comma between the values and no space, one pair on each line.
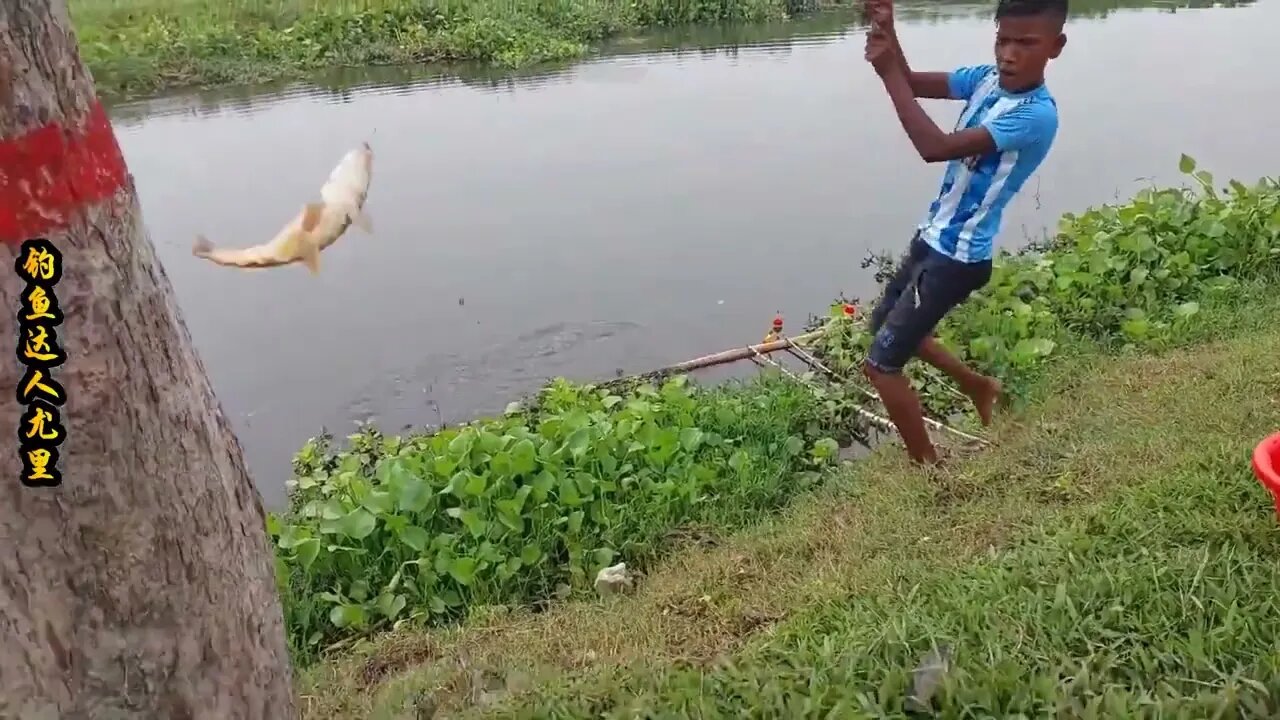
362,157
349,181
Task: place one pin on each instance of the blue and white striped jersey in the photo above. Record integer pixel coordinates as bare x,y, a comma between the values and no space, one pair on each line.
963,221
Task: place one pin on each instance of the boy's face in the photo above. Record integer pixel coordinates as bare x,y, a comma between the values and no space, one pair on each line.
1024,45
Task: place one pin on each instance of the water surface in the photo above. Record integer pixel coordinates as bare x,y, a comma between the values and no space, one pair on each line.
628,212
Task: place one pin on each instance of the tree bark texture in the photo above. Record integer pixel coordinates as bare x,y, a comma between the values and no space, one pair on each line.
143,586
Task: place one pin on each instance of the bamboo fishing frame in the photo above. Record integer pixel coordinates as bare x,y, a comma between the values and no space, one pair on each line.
759,355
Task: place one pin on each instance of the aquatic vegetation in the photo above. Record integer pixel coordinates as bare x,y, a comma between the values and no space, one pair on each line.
1132,274
532,505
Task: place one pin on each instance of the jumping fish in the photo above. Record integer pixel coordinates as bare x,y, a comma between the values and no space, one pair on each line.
315,228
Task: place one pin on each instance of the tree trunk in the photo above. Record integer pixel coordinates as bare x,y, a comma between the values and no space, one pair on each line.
143,585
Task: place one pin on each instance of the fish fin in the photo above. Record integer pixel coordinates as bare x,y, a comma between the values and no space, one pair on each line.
311,213
202,246
311,258
361,220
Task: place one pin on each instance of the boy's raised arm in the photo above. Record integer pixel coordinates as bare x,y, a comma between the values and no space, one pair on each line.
929,84
933,85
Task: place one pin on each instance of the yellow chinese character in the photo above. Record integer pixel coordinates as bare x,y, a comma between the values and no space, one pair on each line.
39,302
44,425
40,263
34,380
38,470
38,348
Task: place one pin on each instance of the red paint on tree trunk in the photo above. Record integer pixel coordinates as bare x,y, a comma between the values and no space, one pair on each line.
50,173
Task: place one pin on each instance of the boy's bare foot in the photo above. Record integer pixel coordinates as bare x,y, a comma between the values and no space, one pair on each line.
984,396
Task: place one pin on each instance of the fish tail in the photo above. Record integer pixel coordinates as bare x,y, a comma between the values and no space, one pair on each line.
202,247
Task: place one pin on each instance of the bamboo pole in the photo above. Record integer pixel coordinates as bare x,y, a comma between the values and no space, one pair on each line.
728,356
720,358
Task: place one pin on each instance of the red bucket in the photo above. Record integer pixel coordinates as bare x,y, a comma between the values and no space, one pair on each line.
1266,465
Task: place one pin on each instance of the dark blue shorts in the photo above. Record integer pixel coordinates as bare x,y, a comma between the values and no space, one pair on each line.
924,288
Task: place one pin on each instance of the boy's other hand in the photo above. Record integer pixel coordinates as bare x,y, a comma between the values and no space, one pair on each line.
880,52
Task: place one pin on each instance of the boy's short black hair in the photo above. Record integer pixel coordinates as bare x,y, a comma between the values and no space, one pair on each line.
1055,9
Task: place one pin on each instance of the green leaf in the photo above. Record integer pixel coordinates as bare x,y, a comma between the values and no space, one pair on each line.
794,445
1186,310
379,502
333,510
578,441
568,494
690,439
358,524
604,556
542,485
470,518
292,536
1035,347
524,457
391,605
345,616
415,537
475,485
1136,327
460,445
509,515
414,495
1186,164
463,570
359,590
307,551
530,554
826,448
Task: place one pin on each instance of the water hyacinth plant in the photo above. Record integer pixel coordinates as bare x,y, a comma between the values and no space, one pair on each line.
529,506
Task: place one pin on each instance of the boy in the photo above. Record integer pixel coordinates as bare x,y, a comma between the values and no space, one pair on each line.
1004,132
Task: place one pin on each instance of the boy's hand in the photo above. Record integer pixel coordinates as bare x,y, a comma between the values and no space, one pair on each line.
880,14
881,52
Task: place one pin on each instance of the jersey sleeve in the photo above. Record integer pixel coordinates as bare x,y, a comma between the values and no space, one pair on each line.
1028,124
964,80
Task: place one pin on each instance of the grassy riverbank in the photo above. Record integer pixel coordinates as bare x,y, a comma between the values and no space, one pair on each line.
136,47
485,523
140,47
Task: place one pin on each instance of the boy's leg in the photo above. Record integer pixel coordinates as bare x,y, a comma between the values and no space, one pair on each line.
983,390
936,285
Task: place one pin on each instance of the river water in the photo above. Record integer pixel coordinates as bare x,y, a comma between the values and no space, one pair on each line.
658,203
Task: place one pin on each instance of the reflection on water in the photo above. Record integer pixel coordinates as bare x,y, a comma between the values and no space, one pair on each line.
625,213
